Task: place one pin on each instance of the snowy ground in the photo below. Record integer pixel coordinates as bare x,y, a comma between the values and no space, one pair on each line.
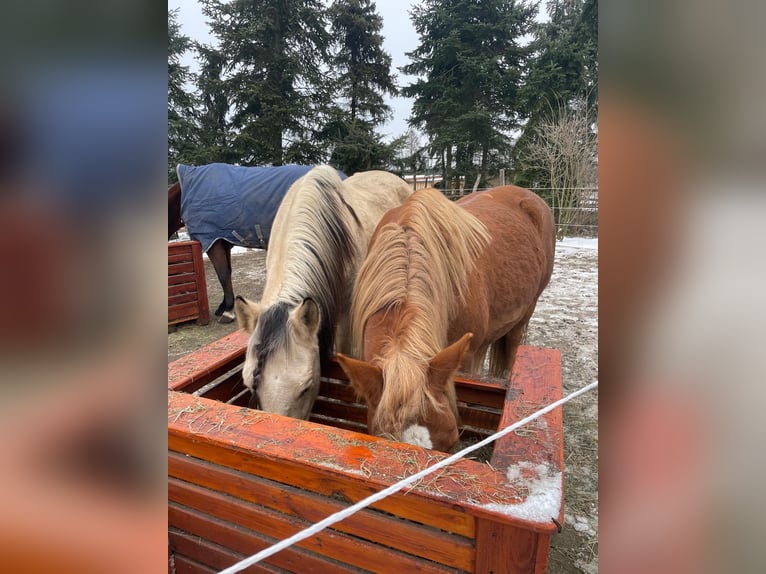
566,318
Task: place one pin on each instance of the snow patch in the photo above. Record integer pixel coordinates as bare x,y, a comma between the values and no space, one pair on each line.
543,488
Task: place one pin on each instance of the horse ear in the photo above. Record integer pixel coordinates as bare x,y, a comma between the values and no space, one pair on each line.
443,366
307,316
247,313
366,379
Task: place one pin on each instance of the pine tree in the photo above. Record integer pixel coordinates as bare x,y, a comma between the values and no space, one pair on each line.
273,51
181,127
363,76
563,73
471,63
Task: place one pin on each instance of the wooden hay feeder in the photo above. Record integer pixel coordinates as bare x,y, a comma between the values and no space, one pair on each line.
240,480
187,290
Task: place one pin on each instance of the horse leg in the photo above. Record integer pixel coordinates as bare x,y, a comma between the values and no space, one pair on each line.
220,256
502,353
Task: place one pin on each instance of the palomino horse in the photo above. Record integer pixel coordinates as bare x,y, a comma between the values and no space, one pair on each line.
442,283
224,205
319,240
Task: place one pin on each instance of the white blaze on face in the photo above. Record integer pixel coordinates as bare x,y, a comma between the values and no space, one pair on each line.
417,435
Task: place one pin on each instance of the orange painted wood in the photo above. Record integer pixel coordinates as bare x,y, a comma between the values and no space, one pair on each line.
373,526
202,366
341,473
189,287
180,268
179,298
504,549
347,466
279,526
248,542
184,565
182,278
535,385
185,266
208,554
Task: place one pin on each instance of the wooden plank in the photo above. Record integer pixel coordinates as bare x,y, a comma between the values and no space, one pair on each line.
203,365
179,247
486,394
320,459
276,525
182,278
479,418
338,390
184,311
246,542
181,268
210,555
180,257
180,298
184,565
534,385
189,287
340,410
373,526
204,306
504,549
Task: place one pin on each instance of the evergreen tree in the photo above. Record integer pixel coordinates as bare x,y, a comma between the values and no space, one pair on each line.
362,77
471,63
214,133
181,128
273,51
563,73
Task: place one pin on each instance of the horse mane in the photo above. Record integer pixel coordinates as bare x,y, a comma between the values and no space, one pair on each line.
321,245
419,265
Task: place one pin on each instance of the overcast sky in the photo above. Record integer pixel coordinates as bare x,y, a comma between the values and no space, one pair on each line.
398,37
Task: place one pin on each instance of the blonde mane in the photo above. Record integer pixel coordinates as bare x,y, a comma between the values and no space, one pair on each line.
419,266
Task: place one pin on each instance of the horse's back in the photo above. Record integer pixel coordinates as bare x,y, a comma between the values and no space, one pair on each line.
518,263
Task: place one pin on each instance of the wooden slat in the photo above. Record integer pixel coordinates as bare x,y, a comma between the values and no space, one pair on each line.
189,287
181,298
203,365
184,565
340,410
179,247
182,278
181,268
183,311
276,525
479,418
248,542
504,548
311,457
210,555
174,258
383,529
485,394
335,389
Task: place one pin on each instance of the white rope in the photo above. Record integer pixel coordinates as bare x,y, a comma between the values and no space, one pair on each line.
394,488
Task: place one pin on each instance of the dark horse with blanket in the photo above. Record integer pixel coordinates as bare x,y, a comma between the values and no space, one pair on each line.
224,205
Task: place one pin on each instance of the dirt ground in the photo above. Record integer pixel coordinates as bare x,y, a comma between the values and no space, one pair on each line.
566,318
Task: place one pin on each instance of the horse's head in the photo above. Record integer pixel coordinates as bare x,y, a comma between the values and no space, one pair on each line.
411,401
282,364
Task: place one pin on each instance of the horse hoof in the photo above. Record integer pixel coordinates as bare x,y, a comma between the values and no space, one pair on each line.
227,317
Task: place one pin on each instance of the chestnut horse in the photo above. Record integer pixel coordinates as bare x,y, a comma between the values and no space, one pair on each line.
442,283
319,240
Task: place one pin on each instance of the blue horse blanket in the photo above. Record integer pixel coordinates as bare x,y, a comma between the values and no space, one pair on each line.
238,204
